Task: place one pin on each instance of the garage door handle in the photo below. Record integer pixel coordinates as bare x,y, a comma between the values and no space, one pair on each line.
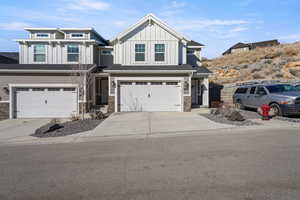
149,95
46,101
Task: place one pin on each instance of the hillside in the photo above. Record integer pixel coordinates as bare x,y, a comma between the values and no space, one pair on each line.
280,62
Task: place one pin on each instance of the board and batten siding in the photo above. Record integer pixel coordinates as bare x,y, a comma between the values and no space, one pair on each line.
148,34
55,53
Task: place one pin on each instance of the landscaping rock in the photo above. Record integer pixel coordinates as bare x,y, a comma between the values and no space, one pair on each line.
47,128
235,116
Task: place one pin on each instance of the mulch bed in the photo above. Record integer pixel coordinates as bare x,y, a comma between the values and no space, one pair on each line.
71,127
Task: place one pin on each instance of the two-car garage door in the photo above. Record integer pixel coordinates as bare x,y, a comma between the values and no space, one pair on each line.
150,96
42,102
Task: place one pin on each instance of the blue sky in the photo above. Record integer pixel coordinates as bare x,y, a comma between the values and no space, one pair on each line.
216,23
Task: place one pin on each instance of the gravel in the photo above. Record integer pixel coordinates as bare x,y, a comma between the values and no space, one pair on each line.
71,127
223,120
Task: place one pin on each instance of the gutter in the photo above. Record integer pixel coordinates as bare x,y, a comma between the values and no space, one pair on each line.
44,71
149,71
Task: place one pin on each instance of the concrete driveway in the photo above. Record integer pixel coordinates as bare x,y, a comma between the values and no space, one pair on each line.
150,123
11,129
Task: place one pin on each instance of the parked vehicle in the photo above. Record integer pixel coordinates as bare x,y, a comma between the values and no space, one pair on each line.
297,87
284,99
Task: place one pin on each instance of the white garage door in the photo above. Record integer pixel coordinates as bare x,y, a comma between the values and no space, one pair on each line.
150,96
45,102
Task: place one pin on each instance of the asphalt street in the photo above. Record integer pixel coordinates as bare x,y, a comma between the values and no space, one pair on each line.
249,166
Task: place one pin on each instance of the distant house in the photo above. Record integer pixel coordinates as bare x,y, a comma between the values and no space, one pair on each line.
240,47
9,57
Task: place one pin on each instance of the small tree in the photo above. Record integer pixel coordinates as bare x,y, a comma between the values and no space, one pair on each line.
82,77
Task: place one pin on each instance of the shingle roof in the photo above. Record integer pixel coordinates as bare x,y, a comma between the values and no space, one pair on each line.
185,67
45,67
194,43
9,57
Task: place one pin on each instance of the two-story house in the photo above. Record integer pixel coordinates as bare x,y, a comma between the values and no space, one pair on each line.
62,71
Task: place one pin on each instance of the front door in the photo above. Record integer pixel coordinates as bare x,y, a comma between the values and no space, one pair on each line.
197,91
101,91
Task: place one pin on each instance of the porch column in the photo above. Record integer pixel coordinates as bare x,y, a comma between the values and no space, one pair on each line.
205,92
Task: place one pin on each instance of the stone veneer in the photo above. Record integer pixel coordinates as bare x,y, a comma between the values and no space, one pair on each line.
111,104
187,104
4,111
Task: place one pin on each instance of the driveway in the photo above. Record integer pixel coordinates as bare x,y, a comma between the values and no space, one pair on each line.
11,129
150,123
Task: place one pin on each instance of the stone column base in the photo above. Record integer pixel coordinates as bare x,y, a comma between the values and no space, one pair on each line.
4,111
187,104
111,104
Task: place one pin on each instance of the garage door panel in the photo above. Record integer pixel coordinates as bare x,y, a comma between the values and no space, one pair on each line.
45,104
151,97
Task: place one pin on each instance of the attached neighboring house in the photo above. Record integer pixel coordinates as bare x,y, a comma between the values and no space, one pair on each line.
241,47
62,71
9,57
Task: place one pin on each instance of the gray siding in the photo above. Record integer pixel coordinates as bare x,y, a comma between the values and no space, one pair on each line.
32,79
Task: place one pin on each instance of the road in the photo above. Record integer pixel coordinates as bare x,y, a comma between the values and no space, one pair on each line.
249,166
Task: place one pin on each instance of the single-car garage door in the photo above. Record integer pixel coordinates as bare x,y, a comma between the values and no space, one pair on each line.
150,96
45,102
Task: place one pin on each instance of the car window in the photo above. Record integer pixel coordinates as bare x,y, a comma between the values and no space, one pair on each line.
281,88
252,91
297,87
241,91
261,90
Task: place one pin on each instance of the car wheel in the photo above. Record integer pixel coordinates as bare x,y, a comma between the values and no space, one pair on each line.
239,105
275,108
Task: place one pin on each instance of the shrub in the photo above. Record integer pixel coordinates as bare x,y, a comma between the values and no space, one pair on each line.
258,76
55,121
74,117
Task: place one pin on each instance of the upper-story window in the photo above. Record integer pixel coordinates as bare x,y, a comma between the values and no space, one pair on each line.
106,52
39,53
159,52
140,52
77,35
42,35
73,53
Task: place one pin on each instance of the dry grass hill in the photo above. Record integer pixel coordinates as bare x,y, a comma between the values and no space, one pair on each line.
281,62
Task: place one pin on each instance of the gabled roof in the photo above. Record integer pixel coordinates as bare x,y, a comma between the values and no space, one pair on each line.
195,44
150,17
252,45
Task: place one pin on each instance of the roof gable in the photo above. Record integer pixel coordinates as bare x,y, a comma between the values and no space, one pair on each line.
153,19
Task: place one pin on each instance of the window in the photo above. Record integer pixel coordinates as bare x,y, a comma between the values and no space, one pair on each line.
106,52
38,89
141,83
261,91
53,89
281,88
42,35
171,83
156,83
73,53
77,35
241,91
39,53
140,52
69,89
190,52
252,91
159,52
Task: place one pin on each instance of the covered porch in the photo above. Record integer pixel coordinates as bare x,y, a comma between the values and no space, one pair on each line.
200,91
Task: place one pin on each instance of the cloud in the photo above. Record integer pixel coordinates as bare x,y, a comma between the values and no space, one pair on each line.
293,37
88,5
13,26
120,23
238,29
207,23
177,4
